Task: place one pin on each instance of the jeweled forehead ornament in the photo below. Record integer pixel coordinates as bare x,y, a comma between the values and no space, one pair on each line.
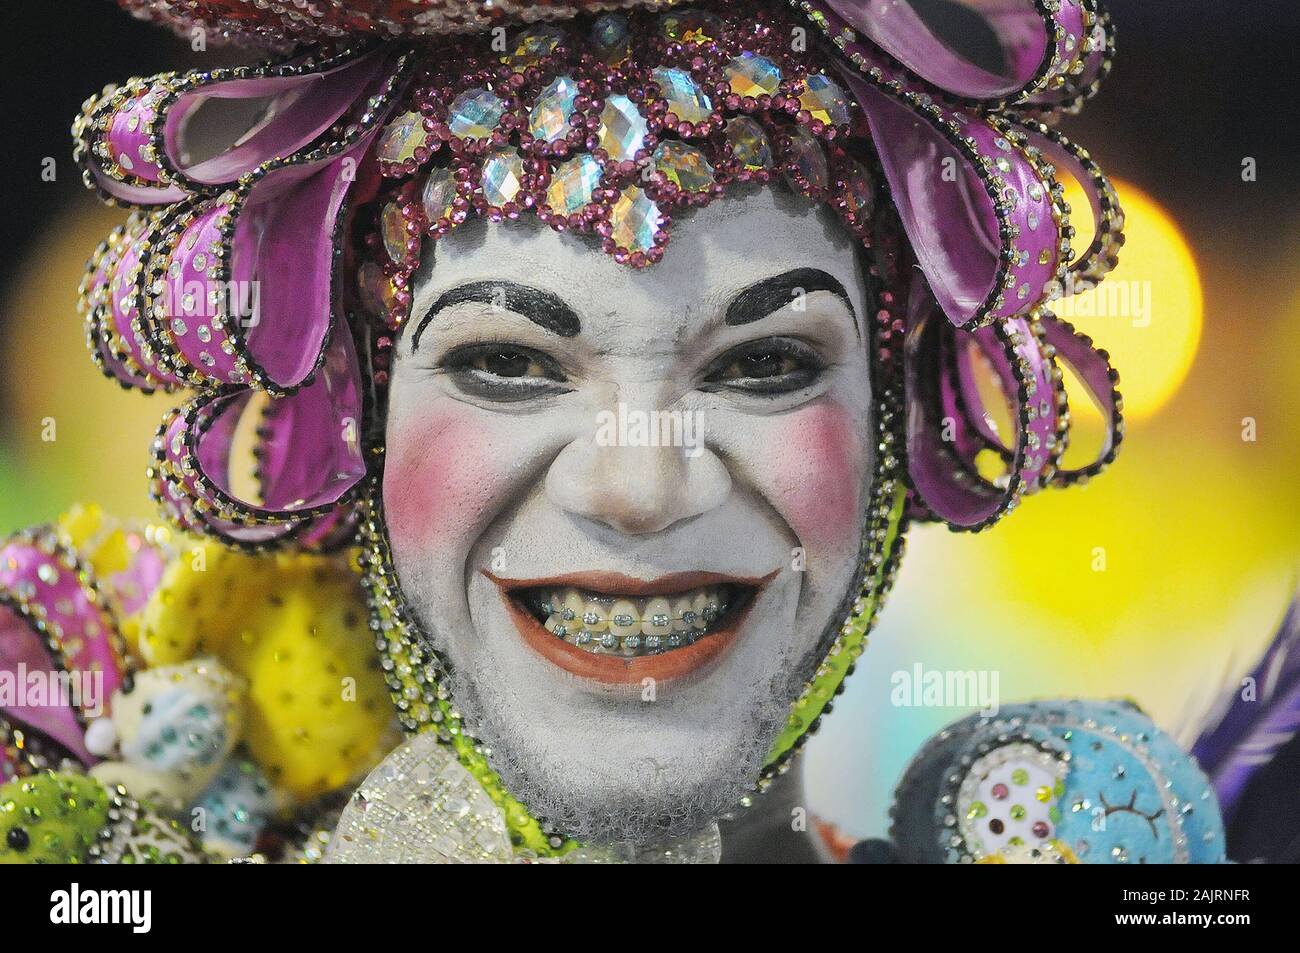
270,271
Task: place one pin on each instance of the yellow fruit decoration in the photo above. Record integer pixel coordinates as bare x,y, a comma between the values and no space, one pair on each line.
295,627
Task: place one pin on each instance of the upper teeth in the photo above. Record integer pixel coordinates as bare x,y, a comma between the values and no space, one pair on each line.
628,625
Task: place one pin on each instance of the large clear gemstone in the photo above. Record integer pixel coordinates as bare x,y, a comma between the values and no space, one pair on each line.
392,228
808,157
503,176
685,166
439,193
572,184
634,220
749,143
402,137
475,113
683,94
376,289
622,128
824,99
752,75
548,120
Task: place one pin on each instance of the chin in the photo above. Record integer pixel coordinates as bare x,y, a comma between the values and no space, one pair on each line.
615,770
628,710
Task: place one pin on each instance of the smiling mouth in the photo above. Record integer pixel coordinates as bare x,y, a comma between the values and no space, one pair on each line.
632,626
619,630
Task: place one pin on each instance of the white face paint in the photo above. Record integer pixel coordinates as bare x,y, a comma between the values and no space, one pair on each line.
519,477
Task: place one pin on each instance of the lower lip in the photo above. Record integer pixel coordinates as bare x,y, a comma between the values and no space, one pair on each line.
612,670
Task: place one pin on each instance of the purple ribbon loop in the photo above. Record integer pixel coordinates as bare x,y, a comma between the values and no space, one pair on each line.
982,215
1020,27
53,619
149,142
945,425
307,445
1101,255
1092,369
299,108
1052,53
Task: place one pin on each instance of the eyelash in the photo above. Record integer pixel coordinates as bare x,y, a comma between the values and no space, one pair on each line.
809,367
480,381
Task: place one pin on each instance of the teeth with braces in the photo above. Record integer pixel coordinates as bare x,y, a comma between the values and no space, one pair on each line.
630,626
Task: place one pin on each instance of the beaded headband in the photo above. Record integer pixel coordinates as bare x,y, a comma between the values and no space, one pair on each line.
236,279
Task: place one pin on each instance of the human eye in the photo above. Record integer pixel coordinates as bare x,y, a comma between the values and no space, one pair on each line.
503,371
766,367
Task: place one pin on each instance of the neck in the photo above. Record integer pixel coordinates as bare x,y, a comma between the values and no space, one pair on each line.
775,830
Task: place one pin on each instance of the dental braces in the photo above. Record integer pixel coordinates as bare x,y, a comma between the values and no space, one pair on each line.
651,643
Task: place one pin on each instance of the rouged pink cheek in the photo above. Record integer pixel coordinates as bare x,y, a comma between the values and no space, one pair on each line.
438,477
818,474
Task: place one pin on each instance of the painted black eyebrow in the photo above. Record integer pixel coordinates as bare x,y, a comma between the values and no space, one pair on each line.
541,307
772,294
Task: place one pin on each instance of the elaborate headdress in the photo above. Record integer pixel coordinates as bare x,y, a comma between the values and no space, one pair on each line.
269,270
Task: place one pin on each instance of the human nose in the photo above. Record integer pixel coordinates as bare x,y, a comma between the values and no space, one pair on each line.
639,471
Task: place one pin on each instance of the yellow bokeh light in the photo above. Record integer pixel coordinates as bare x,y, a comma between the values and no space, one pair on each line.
1148,311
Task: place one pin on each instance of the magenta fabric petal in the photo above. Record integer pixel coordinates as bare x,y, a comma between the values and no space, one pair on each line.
896,27
1093,371
300,108
980,211
22,650
40,578
950,225
308,445
283,245
942,444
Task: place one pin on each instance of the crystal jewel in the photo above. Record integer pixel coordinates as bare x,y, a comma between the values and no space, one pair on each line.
393,230
690,26
549,118
475,113
622,128
824,100
572,184
685,166
376,289
420,806
683,94
749,143
752,75
860,194
439,193
807,155
503,177
402,137
610,38
533,46
635,220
